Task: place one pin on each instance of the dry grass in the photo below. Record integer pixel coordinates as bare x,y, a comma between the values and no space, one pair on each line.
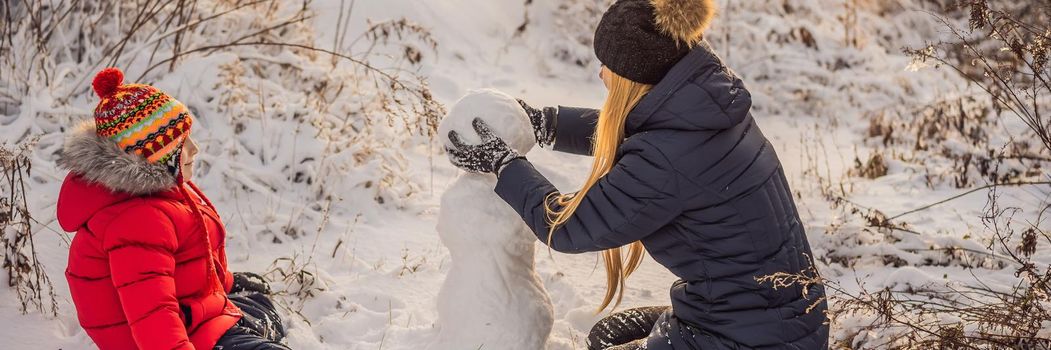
25,273
965,142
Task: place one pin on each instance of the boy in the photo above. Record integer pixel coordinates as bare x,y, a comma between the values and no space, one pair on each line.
147,266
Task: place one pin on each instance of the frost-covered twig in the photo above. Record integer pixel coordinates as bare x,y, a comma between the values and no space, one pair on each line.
25,273
965,193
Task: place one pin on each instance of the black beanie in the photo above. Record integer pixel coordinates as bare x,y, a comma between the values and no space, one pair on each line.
642,40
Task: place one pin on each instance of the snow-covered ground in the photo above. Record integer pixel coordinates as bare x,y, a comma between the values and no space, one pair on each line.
355,248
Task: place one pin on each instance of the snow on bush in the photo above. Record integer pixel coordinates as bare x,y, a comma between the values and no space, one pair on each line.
280,119
910,261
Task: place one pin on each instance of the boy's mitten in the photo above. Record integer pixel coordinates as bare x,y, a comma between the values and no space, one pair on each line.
251,282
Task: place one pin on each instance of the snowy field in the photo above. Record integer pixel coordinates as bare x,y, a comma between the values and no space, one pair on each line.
345,225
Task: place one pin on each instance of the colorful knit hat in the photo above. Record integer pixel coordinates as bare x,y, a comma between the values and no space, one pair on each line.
141,119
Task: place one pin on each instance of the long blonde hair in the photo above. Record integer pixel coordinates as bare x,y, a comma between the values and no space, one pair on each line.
623,95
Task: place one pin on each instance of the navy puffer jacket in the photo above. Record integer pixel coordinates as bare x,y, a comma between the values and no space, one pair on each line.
697,182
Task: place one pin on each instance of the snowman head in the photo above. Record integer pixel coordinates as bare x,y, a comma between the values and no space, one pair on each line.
501,112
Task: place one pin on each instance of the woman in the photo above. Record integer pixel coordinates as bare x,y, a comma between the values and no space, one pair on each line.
147,267
680,170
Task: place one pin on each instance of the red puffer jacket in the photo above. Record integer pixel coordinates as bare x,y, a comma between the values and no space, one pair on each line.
141,272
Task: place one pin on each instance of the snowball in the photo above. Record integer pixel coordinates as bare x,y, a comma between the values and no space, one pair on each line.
501,112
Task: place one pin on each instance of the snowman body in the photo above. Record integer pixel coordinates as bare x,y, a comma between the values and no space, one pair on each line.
492,297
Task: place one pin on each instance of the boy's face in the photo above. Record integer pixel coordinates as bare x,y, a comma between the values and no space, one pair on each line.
189,153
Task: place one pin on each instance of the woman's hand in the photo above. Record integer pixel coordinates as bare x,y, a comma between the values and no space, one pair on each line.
543,121
488,157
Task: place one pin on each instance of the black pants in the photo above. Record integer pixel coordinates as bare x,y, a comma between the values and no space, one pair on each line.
625,330
260,328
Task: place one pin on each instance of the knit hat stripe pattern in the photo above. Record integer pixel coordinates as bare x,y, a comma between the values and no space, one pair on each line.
127,107
147,124
141,119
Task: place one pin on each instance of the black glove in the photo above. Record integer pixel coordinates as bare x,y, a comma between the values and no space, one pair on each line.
487,157
247,281
543,121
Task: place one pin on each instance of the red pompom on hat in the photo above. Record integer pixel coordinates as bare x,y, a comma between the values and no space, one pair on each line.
107,81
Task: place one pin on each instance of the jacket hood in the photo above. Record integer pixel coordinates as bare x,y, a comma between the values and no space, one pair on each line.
98,160
699,93
79,200
100,175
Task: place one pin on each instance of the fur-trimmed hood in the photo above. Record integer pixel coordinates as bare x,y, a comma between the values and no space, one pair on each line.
100,161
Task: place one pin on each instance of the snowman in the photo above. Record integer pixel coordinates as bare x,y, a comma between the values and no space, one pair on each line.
492,297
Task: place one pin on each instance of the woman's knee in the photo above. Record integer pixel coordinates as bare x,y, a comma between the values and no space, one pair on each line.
624,327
